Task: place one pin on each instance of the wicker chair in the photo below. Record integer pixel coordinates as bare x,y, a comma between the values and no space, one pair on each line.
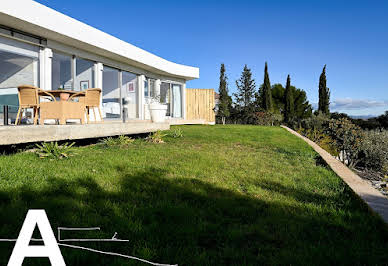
29,98
91,98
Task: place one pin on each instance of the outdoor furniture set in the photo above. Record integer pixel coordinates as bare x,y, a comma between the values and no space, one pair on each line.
70,104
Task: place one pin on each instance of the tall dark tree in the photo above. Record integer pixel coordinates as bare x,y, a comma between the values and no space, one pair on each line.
225,101
324,94
278,98
246,88
302,107
288,102
267,103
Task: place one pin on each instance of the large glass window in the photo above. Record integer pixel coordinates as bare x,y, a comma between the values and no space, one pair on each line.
62,72
165,96
84,74
111,103
171,95
149,87
146,90
16,68
177,100
129,93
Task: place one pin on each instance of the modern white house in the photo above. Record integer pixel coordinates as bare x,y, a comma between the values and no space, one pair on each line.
42,47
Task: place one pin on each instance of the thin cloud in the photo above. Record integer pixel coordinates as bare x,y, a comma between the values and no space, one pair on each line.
356,104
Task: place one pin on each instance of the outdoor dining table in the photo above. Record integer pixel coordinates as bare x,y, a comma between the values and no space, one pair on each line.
63,95
62,109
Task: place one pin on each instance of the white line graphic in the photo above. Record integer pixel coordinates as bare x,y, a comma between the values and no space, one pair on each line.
113,239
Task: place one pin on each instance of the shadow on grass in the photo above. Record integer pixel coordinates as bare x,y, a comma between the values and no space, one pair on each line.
189,222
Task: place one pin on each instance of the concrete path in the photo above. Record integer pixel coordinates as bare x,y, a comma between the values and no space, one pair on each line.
375,200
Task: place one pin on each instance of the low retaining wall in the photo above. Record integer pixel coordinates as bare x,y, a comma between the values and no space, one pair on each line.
375,200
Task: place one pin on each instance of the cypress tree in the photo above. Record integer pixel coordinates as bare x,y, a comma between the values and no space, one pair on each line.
324,94
225,101
267,94
289,111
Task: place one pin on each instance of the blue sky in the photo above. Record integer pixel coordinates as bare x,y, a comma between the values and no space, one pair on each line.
295,37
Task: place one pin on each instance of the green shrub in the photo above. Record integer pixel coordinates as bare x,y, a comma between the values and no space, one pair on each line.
375,150
53,150
267,119
321,138
156,137
120,141
177,133
317,121
348,138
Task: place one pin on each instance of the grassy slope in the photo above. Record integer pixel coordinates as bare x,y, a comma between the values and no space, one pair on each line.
220,195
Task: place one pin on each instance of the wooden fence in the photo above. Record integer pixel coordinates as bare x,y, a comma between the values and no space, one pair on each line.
200,104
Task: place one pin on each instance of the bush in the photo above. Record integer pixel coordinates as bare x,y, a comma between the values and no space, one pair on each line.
321,138
348,138
53,150
156,137
120,141
317,121
375,150
177,133
267,119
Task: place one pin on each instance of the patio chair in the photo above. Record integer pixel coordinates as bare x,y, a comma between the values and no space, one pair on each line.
29,98
91,98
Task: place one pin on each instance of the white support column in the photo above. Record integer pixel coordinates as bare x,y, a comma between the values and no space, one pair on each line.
141,101
99,67
157,87
45,76
184,100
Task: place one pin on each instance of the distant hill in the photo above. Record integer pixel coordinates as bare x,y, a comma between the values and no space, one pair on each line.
362,116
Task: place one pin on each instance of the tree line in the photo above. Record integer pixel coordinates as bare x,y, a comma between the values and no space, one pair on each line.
267,104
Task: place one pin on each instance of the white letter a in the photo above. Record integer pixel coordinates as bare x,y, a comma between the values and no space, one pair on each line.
22,248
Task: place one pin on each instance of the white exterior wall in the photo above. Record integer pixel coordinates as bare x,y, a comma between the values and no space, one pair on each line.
68,36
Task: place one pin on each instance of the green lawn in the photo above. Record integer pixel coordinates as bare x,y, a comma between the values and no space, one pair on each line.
221,195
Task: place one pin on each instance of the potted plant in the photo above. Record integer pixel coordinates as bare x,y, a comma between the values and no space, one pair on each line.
157,110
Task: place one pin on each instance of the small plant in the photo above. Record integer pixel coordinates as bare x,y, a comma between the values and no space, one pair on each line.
177,133
156,137
54,150
121,141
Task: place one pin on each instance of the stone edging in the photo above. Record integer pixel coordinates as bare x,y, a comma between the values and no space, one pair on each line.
375,200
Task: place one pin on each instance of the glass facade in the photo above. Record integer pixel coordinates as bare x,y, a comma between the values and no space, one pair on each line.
171,95
19,65
61,72
84,74
111,95
129,93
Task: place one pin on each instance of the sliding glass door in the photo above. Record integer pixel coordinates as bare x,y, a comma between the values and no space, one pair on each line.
129,93
171,95
176,100
61,68
84,74
111,97
19,65
165,96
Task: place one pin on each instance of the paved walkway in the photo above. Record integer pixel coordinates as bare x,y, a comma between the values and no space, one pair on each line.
375,200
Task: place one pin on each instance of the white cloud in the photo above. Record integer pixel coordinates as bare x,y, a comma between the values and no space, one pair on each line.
356,104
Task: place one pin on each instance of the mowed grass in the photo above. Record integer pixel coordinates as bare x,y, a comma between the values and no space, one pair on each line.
221,195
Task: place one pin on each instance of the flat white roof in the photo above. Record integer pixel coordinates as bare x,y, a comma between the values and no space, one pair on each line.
32,17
